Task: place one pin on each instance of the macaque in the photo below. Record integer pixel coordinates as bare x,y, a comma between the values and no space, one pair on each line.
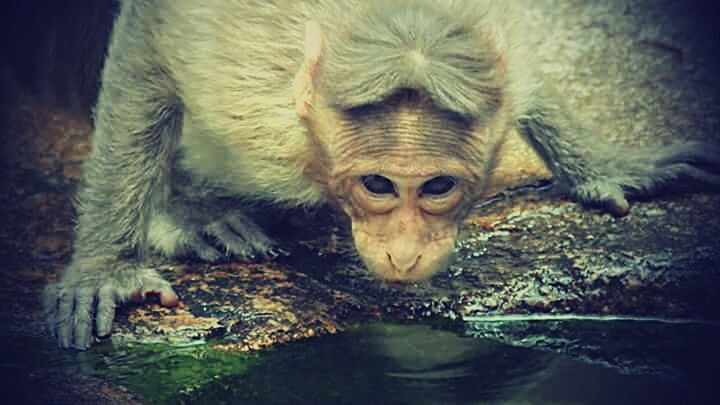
392,110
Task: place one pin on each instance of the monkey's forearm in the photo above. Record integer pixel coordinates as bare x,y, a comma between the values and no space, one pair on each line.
565,147
137,126
558,139
138,121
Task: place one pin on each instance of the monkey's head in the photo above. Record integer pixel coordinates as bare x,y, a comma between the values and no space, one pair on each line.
405,128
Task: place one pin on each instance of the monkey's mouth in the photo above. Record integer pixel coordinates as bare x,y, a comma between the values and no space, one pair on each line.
401,283
418,274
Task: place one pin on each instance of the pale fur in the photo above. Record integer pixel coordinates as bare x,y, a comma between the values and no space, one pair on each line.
196,119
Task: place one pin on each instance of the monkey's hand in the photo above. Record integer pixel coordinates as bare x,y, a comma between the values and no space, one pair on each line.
636,173
232,234
239,236
82,305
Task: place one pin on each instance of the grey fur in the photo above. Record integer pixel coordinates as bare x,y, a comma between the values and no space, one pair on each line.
189,85
605,174
415,44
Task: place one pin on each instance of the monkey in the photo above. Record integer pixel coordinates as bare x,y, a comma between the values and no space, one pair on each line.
394,112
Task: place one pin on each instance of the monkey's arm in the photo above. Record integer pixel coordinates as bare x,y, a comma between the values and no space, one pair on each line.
599,173
137,125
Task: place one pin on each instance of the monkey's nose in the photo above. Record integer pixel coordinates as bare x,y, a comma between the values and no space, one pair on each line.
403,264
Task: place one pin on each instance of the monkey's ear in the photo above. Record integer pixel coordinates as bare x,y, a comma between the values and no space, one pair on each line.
303,85
313,43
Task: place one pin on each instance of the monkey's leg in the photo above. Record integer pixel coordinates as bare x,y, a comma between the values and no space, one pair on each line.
598,173
137,125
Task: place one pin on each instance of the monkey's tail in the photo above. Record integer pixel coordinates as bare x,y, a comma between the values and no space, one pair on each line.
690,166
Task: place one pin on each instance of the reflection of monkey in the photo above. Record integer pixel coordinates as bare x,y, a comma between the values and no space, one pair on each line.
399,109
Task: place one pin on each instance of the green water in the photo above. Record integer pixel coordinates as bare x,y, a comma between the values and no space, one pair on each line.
516,361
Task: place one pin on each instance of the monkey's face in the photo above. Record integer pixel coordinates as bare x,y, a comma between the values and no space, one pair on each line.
404,122
405,215
404,227
406,174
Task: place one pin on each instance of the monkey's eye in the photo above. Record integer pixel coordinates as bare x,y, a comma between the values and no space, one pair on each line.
438,186
377,184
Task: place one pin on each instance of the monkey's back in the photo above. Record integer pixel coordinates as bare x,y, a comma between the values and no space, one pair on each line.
232,64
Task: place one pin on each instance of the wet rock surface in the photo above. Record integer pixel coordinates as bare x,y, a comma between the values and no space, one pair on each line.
637,72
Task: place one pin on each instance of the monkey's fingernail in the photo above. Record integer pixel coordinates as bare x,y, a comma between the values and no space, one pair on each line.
137,297
618,208
282,252
169,299
275,252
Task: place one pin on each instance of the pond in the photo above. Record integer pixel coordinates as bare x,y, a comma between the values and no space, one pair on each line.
492,360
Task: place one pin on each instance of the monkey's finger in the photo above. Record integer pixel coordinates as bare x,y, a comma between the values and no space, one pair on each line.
274,252
106,303
606,195
169,299
255,237
153,283
63,317
618,207
50,307
249,231
203,249
82,322
234,243
270,251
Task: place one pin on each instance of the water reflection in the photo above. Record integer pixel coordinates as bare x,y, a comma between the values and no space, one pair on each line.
503,361
415,364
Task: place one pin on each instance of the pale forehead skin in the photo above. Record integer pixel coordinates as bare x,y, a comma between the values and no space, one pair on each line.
422,167
408,136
